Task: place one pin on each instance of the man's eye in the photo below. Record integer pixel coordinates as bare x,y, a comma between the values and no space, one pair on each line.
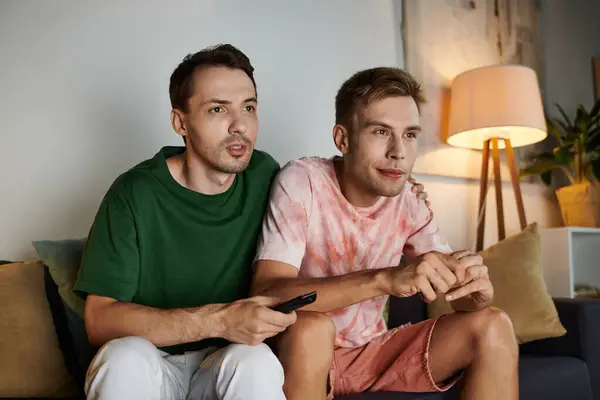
250,108
216,110
411,135
381,132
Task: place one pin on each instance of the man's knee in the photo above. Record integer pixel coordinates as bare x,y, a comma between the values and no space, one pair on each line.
123,364
253,360
493,329
130,349
125,356
311,328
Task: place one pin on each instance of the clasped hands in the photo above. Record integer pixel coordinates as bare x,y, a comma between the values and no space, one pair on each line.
461,274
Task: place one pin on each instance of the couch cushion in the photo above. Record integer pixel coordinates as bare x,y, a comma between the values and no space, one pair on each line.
553,378
31,363
63,258
519,288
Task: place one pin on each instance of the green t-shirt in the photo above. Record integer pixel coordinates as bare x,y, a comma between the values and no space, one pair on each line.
156,243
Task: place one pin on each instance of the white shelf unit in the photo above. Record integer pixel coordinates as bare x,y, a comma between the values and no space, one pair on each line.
570,256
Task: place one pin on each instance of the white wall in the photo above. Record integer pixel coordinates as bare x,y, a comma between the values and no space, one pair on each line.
571,35
84,90
84,95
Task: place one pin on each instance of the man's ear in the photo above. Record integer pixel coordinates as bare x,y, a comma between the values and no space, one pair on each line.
341,138
178,123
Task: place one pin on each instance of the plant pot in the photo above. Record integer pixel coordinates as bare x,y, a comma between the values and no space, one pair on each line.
580,205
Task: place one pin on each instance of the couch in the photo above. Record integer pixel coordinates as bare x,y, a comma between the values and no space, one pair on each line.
561,368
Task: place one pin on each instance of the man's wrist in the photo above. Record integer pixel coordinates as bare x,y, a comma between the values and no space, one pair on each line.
210,320
383,279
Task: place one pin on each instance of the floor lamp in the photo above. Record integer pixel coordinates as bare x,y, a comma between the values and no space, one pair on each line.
493,108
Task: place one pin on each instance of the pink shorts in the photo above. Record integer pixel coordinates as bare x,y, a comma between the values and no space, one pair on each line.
395,361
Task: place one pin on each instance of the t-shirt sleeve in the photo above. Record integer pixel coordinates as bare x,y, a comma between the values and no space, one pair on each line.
110,264
426,235
283,236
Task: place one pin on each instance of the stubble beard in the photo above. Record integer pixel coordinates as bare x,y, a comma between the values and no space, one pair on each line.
224,162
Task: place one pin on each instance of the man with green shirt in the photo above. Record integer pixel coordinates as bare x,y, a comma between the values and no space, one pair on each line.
166,268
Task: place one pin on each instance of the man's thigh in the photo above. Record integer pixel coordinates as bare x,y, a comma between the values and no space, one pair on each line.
225,373
395,361
132,367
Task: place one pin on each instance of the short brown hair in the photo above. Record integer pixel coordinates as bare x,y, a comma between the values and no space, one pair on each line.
374,84
224,55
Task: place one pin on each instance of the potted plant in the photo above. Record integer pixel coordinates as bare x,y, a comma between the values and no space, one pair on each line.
578,156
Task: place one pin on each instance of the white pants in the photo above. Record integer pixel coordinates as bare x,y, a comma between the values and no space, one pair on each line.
133,368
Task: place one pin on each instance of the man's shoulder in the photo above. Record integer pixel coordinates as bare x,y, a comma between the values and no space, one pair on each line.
140,178
308,168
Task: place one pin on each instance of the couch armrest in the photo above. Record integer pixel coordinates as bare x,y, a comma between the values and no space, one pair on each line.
581,319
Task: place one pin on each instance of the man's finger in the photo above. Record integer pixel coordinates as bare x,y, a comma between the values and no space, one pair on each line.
266,301
461,254
476,272
277,318
438,282
471,260
426,290
447,274
471,287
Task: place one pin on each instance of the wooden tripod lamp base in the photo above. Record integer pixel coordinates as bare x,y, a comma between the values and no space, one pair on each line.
510,158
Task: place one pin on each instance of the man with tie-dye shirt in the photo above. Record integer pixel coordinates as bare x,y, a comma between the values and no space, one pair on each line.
340,227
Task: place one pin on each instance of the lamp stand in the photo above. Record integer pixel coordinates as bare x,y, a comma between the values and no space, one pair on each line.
510,157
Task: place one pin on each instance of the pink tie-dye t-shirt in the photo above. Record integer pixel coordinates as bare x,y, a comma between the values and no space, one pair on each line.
310,225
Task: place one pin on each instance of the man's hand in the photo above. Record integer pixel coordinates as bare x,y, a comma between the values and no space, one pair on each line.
475,284
419,189
460,275
250,321
430,275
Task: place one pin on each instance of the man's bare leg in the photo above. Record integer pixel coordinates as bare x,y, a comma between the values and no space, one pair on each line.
305,350
483,345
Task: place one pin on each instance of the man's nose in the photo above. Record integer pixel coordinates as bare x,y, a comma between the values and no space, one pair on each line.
396,150
238,126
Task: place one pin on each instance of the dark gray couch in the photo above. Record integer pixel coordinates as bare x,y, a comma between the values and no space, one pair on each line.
562,368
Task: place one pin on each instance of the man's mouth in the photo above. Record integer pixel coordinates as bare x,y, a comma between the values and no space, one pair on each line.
237,149
391,173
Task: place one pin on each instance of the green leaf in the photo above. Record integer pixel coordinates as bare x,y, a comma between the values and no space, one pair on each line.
592,156
594,140
563,155
596,169
537,170
551,127
595,109
564,115
563,125
541,157
581,116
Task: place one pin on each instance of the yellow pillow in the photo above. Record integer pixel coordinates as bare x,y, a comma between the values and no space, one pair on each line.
519,287
31,363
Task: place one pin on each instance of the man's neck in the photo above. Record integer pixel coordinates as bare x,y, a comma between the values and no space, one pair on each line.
192,173
350,189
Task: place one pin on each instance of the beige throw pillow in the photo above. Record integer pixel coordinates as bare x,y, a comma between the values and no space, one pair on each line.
31,363
519,287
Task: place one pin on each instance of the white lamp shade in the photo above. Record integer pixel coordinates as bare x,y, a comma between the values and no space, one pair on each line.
501,101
